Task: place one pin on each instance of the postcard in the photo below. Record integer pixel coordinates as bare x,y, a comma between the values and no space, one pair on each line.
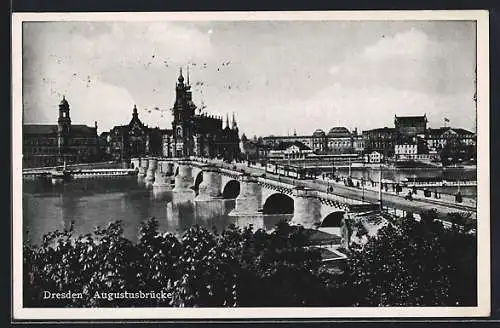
243,165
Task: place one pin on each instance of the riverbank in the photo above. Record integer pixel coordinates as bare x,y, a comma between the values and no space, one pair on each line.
78,166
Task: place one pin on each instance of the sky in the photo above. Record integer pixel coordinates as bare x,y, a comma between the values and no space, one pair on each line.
277,77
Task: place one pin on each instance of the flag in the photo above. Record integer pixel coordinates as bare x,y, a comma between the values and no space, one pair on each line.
446,119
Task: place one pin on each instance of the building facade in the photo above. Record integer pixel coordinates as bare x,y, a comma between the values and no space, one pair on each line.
134,140
411,148
51,145
290,150
201,134
438,138
374,157
410,126
381,140
338,140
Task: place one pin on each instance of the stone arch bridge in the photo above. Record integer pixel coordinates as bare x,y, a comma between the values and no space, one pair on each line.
253,194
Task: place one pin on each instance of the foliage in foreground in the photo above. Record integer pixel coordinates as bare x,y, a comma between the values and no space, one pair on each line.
415,264
234,268
409,264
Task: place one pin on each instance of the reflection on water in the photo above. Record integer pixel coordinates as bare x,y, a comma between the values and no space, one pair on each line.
401,174
92,203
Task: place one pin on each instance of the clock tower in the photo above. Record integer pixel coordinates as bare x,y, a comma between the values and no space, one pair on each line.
182,124
63,129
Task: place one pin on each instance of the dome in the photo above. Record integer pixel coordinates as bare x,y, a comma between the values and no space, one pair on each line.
318,133
339,131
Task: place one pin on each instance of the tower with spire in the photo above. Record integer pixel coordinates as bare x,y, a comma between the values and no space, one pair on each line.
135,116
234,126
183,111
63,128
227,122
199,134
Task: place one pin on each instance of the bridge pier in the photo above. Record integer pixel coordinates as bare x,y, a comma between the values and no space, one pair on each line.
209,202
162,181
161,178
152,166
184,181
250,197
210,187
135,162
248,203
143,166
307,208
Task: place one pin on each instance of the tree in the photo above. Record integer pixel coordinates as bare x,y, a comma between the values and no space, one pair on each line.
413,264
408,263
238,267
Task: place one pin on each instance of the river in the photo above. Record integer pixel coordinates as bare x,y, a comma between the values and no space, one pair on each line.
90,203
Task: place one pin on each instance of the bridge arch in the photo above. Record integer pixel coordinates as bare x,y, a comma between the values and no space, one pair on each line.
197,181
231,189
333,220
278,203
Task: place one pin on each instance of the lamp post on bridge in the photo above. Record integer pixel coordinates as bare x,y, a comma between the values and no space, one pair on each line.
380,188
333,169
363,188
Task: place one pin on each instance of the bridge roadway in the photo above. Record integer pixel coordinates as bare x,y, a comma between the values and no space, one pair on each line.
388,200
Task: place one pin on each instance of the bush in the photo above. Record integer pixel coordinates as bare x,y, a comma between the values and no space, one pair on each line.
414,264
408,263
234,268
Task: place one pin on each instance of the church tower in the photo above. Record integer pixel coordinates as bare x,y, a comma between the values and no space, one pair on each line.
183,112
63,128
234,125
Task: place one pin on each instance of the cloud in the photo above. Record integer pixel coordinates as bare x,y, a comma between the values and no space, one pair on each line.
364,108
104,68
409,60
404,74
411,44
352,78
107,104
142,43
334,69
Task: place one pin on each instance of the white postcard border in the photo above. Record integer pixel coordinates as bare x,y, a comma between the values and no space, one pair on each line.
483,198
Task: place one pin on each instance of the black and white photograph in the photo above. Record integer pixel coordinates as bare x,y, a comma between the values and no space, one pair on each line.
251,165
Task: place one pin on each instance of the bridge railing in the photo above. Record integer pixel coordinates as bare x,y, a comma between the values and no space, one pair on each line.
342,199
275,183
443,183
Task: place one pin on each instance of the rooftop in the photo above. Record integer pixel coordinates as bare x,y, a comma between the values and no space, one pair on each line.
318,237
286,145
338,131
318,132
39,128
81,129
443,129
410,119
384,129
77,129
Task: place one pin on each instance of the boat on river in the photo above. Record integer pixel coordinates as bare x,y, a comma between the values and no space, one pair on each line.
60,176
